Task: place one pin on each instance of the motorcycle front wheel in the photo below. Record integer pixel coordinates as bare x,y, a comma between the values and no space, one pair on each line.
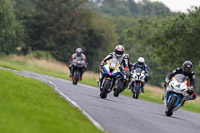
136,92
76,77
171,106
104,91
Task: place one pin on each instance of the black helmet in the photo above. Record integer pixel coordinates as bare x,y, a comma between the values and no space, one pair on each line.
187,66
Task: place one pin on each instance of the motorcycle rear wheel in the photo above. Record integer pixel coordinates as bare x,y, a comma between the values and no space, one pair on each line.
118,89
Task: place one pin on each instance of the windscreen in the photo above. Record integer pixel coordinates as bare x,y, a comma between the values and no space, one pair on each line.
138,70
180,77
113,63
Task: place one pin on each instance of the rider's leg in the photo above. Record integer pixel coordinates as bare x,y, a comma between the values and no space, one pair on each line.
70,70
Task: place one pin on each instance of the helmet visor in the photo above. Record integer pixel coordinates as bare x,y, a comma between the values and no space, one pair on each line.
187,69
140,63
119,53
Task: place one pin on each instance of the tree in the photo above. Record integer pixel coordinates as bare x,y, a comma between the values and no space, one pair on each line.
11,32
61,26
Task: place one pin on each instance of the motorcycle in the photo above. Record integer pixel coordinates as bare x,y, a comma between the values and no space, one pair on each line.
138,76
111,75
122,84
175,94
78,66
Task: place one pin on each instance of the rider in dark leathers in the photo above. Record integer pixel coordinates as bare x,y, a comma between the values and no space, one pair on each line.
186,70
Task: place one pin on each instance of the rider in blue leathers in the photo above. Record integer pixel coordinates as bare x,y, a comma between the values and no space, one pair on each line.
140,64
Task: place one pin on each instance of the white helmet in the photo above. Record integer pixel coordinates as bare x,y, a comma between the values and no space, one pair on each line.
141,60
119,50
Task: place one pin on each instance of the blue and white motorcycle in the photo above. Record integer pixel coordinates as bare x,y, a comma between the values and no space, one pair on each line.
111,74
138,76
175,94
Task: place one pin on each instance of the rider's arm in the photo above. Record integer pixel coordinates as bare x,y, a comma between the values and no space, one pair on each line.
177,70
74,56
192,79
133,66
83,57
146,70
107,58
126,63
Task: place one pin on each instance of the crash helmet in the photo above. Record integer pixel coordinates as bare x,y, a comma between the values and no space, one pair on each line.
79,51
141,60
119,50
187,66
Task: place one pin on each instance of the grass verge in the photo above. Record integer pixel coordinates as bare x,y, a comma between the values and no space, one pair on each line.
29,106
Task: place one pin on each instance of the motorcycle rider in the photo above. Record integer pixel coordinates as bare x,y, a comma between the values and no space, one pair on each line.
79,53
128,70
140,64
120,56
186,70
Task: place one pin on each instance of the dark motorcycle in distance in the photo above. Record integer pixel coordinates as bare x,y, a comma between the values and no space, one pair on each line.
78,68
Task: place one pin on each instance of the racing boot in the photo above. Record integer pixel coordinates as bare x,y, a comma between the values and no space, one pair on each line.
142,88
162,97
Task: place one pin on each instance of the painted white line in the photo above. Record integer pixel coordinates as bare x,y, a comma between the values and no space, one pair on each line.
76,105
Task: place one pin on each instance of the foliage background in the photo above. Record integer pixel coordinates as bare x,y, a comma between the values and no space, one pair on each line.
57,27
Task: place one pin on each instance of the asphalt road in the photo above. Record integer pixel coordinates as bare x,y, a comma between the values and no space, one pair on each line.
124,114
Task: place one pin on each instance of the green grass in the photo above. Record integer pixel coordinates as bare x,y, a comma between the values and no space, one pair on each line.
144,96
29,106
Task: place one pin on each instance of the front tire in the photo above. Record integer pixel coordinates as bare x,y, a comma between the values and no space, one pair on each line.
76,77
171,106
136,92
104,91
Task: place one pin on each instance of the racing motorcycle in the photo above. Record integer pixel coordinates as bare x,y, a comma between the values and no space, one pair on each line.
78,66
111,73
138,76
175,94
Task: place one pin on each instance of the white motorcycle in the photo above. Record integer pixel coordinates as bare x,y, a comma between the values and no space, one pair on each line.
175,94
138,76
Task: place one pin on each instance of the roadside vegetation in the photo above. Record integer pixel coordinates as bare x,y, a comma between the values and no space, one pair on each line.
60,70
27,105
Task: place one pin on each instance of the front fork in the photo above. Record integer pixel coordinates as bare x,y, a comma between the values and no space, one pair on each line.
133,85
